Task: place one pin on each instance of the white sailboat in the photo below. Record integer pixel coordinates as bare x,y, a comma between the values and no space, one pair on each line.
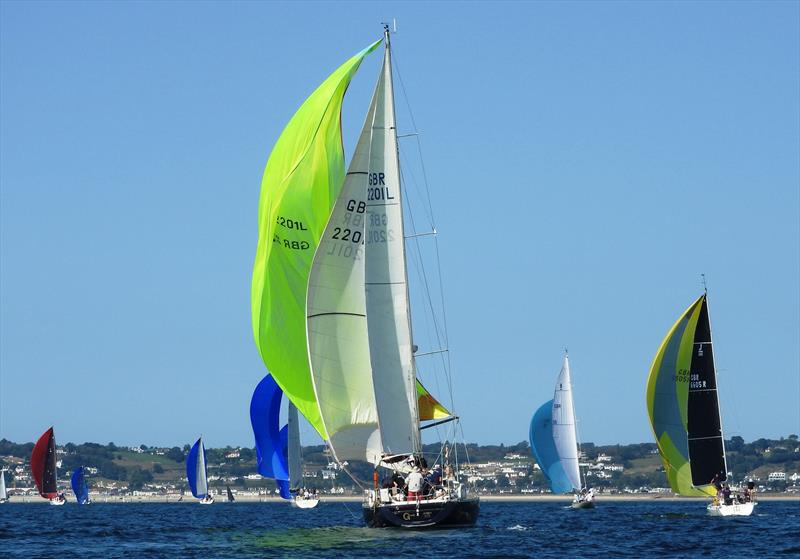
331,311
303,499
3,492
197,473
683,406
359,324
554,442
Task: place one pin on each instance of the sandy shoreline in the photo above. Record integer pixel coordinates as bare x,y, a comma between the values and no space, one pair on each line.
357,499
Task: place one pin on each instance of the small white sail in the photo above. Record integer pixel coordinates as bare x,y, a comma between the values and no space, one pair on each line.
294,450
202,482
3,492
388,314
564,434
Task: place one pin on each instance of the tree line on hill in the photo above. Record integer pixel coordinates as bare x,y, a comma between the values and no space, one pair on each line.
115,463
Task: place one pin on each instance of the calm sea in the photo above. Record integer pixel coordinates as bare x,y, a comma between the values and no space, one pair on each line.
241,530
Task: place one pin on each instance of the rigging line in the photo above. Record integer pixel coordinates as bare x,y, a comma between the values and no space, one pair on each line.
416,130
417,190
447,363
420,268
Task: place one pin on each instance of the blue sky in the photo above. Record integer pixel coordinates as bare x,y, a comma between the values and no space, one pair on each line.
587,162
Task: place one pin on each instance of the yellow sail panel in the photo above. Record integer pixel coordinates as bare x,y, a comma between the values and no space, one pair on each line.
667,401
429,407
301,181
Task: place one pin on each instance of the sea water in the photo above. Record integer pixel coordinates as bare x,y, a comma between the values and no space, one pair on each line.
520,529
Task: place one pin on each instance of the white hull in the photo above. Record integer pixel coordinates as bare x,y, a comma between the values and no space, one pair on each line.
57,502
305,503
206,501
588,504
736,509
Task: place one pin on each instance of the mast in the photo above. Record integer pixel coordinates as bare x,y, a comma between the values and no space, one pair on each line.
411,382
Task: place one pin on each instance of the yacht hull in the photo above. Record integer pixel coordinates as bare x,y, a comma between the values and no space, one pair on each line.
422,515
736,509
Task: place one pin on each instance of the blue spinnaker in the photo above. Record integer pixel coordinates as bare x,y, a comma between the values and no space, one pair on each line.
192,471
544,449
79,486
271,447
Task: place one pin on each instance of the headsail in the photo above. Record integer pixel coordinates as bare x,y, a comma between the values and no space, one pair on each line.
3,492
79,487
43,465
301,181
230,494
683,407
196,472
553,437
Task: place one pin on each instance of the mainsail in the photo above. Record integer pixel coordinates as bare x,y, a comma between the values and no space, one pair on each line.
301,182
683,407
43,465
79,487
230,494
196,472
3,492
553,437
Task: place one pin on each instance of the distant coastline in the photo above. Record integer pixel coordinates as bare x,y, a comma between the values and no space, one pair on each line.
173,499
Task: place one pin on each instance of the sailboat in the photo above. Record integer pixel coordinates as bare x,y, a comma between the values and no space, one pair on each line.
683,407
43,468
230,494
79,486
554,442
330,302
3,491
197,473
278,451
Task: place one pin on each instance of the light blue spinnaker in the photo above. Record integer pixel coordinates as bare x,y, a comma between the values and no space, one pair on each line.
79,486
544,449
196,472
271,438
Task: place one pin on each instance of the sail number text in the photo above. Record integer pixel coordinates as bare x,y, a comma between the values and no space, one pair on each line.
291,223
377,188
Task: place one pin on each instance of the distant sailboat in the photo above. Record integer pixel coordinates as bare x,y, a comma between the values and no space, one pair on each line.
197,473
330,301
683,407
554,441
230,494
43,468
278,451
3,492
79,486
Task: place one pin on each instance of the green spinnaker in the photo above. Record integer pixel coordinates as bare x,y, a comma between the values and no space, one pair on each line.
301,181
667,401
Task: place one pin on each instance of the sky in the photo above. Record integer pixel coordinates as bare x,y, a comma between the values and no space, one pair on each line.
587,161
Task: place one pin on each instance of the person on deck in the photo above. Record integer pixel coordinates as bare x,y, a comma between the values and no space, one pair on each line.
726,495
414,484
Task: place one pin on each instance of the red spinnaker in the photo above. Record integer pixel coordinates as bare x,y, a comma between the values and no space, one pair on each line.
43,465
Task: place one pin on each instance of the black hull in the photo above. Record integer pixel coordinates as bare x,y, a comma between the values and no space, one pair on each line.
450,514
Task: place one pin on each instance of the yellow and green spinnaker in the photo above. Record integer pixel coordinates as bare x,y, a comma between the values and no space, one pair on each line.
301,181
667,401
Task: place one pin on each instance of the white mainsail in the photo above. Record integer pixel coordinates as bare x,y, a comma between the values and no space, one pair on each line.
294,451
3,492
388,314
358,318
202,482
564,434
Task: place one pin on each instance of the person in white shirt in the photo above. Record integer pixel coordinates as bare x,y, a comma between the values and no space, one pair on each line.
414,484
